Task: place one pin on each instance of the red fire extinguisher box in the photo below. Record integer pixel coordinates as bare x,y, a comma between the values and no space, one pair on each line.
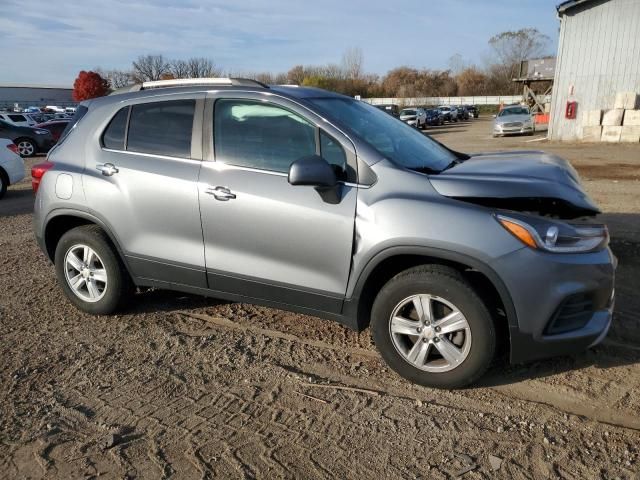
571,110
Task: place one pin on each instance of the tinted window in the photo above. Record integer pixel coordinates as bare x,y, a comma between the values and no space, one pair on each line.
18,118
162,128
333,153
260,135
113,136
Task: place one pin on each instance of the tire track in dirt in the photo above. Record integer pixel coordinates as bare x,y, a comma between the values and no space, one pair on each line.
530,391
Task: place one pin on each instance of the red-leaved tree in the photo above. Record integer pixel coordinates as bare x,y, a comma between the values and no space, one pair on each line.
89,85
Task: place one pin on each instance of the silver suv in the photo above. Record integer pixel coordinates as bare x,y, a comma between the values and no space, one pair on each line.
305,200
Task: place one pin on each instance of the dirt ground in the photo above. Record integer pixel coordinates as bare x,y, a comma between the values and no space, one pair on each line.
187,387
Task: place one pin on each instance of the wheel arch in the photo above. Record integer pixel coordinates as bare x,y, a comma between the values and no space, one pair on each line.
61,221
391,261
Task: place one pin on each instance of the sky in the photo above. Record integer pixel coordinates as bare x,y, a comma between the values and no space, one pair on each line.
50,41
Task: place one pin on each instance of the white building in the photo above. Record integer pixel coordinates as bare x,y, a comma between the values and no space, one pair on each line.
598,57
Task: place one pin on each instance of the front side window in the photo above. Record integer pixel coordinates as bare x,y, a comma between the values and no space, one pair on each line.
162,128
334,154
260,135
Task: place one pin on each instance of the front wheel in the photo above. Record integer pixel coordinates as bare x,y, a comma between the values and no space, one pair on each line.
90,271
431,327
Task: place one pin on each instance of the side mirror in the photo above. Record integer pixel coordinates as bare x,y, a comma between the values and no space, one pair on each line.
312,171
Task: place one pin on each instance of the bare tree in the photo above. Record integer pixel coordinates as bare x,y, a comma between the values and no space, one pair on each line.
352,63
179,68
200,67
150,68
511,48
115,78
457,64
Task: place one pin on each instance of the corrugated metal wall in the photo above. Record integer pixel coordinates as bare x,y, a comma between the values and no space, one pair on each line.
598,56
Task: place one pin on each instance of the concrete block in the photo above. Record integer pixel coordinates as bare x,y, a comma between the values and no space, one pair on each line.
630,133
591,133
631,118
611,134
592,118
612,118
627,100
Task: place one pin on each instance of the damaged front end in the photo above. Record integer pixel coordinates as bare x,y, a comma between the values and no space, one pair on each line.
529,182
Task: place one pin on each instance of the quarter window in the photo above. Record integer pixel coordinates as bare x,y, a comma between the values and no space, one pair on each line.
260,135
113,136
334,154
162,128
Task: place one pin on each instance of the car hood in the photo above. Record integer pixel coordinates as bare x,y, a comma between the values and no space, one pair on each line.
513,118
509,178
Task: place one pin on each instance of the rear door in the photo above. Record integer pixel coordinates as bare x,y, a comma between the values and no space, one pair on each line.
265,238
144,185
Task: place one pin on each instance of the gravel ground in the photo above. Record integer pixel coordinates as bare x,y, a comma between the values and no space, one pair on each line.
186,387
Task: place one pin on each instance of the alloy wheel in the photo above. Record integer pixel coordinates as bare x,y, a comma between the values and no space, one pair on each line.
430,333
26,148
85,273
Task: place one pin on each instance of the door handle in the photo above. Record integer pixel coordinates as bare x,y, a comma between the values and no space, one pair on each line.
107,169
221,193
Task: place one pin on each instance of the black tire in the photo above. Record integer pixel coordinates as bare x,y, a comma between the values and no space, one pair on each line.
32,149
119,288
4,182
448,284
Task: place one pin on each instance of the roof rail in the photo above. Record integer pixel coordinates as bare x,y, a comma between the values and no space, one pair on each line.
185,82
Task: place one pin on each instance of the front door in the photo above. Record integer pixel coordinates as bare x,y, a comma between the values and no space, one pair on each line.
265,238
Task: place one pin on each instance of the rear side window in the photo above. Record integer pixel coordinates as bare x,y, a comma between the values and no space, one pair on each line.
113,136
162,128
17,118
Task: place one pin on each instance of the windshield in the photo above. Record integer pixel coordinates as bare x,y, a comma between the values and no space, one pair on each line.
395,140
408,112
514,111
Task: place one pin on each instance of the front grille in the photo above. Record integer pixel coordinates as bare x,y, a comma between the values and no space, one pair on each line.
573,313
512,125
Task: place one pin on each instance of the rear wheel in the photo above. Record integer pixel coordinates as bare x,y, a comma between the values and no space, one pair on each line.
90,271
26,147
431,327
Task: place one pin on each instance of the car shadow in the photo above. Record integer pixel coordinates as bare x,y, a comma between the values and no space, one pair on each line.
17,202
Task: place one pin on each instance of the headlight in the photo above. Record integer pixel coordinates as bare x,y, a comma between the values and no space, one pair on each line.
41,132
554,236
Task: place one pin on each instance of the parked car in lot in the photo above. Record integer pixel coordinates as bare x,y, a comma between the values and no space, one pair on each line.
513,120
449,114
28,140
19,119
416,117
473,111
463,113
434,117
391,109
56,127
11,165
314,202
